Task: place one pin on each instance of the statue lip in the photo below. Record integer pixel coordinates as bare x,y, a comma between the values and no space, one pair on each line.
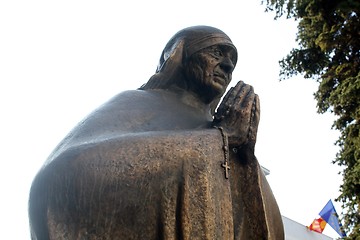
220,78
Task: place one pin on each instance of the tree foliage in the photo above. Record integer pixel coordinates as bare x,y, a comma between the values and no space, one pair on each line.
329,51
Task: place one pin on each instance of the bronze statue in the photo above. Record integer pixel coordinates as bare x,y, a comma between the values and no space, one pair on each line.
162,162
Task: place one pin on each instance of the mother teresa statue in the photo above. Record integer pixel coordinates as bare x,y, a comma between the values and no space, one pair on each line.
165,161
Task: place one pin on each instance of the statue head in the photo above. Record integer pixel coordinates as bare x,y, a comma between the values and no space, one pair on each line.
199,59
208,71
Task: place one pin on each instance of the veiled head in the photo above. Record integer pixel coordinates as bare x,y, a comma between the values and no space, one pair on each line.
188,59
194,39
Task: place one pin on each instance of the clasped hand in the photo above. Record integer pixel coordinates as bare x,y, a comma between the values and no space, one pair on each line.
239,115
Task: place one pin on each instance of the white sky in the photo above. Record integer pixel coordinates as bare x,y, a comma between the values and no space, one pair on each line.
59,60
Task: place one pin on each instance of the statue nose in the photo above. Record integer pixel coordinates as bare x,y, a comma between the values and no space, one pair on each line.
227,65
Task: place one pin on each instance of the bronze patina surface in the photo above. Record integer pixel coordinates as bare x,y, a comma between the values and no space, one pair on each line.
162,161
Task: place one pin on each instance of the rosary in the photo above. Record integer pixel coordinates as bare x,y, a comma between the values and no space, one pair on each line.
225,164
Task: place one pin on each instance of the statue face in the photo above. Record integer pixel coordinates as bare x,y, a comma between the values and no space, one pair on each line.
209,71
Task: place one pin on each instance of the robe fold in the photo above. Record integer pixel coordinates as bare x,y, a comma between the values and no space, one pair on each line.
107,181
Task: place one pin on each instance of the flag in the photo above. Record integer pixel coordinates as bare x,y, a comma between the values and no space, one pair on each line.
318,225
329,215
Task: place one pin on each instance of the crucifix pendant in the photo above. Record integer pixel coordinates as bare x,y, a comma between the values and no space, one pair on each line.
225,147
226,167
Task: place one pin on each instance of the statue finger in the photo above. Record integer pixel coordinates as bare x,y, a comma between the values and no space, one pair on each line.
244,95
255,119
227,96
243,101
238,86
233,93
224,105
228,100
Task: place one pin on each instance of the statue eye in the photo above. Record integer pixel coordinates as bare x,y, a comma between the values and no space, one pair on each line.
214,52
217,52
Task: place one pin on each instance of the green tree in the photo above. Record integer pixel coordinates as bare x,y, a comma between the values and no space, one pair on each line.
328,51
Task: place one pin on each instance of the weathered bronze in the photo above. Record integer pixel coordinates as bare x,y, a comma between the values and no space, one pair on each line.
162,162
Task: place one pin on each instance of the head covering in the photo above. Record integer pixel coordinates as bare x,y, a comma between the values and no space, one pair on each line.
180,48
195,39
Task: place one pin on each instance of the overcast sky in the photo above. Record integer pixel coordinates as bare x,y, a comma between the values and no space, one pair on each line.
59,60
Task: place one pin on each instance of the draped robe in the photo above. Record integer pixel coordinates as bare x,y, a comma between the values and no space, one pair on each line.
147,166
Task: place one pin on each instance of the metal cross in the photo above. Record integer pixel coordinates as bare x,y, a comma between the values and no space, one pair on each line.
226,169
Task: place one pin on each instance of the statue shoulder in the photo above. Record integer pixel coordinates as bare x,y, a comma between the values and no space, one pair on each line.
140,97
